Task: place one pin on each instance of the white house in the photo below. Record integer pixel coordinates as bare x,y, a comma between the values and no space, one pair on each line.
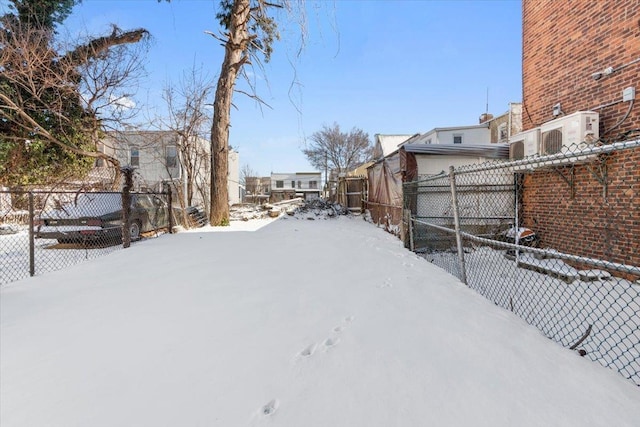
159,159
458,135
299,184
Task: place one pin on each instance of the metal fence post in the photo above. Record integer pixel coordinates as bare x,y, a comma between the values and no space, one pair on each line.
456,221
32,261
412,246
170,203
126,206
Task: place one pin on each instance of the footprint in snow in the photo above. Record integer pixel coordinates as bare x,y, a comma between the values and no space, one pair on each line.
270,407
330,342
349,319
388,283
308,351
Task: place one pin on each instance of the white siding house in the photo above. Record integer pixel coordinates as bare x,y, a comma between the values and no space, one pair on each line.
300,184
158,161
459,135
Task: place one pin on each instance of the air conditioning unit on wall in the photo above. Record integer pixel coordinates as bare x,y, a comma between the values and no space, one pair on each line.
569,133
524,144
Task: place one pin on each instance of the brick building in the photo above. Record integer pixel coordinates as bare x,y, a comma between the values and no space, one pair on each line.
582,55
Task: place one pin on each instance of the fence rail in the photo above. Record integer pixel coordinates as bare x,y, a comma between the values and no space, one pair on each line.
503,243
44,231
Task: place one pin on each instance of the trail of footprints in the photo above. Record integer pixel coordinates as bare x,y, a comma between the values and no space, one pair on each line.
329,342
388,283
270,407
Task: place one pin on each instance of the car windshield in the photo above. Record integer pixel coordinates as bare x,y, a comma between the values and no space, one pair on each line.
144,201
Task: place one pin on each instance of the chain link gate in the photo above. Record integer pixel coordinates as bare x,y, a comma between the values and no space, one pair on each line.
479,223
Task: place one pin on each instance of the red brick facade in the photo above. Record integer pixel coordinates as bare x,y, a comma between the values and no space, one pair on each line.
564,43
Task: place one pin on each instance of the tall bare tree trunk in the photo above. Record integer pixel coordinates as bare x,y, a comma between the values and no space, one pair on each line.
235,56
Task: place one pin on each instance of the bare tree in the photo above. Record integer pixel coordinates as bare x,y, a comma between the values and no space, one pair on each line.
338,151
107,86
189,118
248,37
246,172
250,180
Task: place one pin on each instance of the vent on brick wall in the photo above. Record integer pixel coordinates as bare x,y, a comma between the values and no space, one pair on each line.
569,133
516,150
524,144
552,141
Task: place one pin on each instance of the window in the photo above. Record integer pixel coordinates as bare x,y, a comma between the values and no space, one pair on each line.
293,184
429,141
171,156
279,184
299,184
502,133
457,138
135,157
313,184
99,162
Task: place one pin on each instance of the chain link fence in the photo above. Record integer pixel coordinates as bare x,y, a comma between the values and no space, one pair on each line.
552,238
43,231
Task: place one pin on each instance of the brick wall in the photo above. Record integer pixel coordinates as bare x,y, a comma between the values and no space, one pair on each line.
564,43
588,224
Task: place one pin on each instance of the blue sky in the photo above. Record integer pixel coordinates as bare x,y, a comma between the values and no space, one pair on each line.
383,66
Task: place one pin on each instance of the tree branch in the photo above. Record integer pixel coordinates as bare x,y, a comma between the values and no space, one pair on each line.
97,47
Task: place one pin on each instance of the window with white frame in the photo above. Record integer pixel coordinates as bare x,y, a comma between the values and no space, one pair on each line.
171,156
134,156
279,184
457,138
313,184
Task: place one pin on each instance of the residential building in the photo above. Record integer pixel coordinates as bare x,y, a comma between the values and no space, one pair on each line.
257,189
503,126
162,158
584,56
456,135
291,185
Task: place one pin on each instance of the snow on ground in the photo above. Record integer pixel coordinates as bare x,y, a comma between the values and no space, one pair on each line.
562,311
300,323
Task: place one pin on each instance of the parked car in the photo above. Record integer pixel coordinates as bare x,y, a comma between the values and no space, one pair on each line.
97,218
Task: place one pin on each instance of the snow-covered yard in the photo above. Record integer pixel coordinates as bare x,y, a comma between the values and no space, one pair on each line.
48,255
298,323
563,311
